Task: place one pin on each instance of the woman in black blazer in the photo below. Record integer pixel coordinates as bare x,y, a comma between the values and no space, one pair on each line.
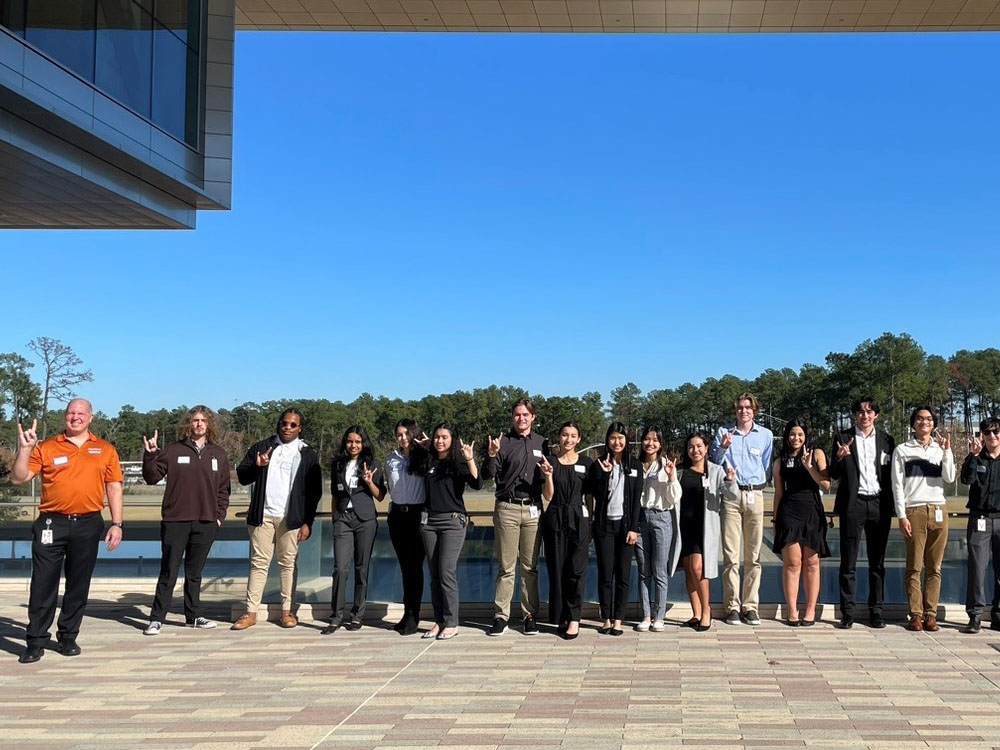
616,479
357,483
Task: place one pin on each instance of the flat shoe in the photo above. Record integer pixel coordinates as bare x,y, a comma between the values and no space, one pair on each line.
692,623
616,631
604,629
793,623
442,637
430,634
571,636
333,627
699,628
807,623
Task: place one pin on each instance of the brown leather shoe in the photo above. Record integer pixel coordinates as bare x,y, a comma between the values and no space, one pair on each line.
931,623
288,620
246,621
915,624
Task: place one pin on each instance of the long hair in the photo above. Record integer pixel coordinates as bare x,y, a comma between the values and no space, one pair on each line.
786,449
184,431
367,455
417,451
622,430
422,462
655,431
685,458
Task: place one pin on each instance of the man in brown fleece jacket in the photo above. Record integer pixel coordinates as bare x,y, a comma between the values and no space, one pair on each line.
194,507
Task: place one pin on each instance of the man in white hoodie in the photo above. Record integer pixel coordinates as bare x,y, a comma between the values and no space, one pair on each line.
920,468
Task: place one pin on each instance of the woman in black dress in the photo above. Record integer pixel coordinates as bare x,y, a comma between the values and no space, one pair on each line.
566,529
799,519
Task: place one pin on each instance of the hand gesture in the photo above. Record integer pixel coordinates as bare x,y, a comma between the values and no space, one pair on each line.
605,464
731,474
150,445
976,446
468,452
726,440
843,451
671,468
263,459
944,441
27,439
423,441
367,474
494,446
545,467
807,458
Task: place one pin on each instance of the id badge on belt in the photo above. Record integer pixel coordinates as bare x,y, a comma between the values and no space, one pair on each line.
980,524
748,498
423,518
47,532
938,514
533,511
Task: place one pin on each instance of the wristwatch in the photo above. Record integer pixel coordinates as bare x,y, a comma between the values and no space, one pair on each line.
118,524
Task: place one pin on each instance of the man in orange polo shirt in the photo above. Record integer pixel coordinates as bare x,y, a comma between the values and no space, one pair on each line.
77,470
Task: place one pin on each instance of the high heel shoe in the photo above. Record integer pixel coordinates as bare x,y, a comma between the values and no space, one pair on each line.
692,623
699,628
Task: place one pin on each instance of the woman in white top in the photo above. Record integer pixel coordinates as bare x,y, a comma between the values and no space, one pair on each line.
659,539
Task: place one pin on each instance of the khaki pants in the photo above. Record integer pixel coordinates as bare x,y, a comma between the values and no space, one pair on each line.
264,539
517,539
924,553
742,532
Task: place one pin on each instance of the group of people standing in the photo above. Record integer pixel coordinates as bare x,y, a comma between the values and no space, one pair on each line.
647,506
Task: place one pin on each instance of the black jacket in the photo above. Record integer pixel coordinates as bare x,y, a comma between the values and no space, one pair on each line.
982,474
848,476
599,480
360,498
307,485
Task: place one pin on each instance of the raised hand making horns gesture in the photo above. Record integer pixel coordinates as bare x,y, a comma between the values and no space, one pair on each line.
494,446
28,439
843,451
150,444
468,449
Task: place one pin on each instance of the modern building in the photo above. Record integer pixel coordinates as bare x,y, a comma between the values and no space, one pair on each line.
119,113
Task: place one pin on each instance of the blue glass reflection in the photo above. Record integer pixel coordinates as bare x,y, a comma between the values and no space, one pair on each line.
64,30
124,53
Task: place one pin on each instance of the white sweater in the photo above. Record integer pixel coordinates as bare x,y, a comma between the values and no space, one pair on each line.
919,474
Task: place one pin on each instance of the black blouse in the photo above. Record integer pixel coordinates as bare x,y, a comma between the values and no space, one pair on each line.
570,483
445,484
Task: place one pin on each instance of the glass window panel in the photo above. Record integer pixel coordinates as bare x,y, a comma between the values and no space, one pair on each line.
182,17
125,53
64,30
12,15
175,86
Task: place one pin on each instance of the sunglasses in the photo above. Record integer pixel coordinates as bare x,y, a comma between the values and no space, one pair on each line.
289,424
992,431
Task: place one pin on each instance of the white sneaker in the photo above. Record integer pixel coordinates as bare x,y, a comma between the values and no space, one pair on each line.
153,628
643,627
657,626
202,623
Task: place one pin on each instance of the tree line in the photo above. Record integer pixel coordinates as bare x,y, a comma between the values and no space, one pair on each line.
893,368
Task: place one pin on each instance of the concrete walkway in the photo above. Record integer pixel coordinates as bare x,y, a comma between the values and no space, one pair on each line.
732,687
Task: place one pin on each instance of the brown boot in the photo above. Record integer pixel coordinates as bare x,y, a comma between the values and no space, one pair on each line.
915,624
246,621
288,620
931,623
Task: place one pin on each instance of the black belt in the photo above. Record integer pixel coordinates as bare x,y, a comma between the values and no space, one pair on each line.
518,500
404,508
988,514
71,516
749,487
869,497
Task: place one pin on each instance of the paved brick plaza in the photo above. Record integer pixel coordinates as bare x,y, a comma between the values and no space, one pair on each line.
267,687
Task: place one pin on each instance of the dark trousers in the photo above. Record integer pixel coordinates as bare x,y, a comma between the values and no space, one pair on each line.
191,542
74,547
353,541
982,546
566,556
614,568
404,533
863,516
443,536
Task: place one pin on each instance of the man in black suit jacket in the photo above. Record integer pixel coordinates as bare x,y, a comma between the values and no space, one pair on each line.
861,460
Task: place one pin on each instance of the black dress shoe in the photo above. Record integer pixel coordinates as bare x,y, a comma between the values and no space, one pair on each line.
68,647
974,626
354,624
616,631
401,625
699,628
692,623
563,627
570,636
994,624
846,622
333,627
31,655
604,629
410,628
877,621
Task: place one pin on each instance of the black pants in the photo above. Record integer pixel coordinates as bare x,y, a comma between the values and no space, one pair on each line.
404,533
566,536
74,546
191,542
353,541
868,517
982,546
614,569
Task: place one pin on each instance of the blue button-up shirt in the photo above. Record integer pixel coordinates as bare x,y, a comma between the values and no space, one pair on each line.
750,453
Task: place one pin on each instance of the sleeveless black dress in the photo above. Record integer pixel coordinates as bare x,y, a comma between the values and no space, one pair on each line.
800,519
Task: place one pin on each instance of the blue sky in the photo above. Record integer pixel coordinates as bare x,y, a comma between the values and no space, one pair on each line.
421,213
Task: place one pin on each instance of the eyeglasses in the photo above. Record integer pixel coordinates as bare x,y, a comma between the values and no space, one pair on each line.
924,419
992,431
289,424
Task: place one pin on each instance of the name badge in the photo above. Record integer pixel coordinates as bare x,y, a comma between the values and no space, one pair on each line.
46,536
790,463
215,464
634,473
938,515
583,469
586,513
423,517
980,524
60,460
755,451
430,471
536,453
748,498
340,487
885,459
704,482
533,511
184,459
980,469
94,451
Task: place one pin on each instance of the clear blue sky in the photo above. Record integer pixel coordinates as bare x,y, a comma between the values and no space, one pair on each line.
420,213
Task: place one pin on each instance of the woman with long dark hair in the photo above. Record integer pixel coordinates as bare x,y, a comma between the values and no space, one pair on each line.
703,485
566,529
799,518
448,467
659,530
616,479
357,484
